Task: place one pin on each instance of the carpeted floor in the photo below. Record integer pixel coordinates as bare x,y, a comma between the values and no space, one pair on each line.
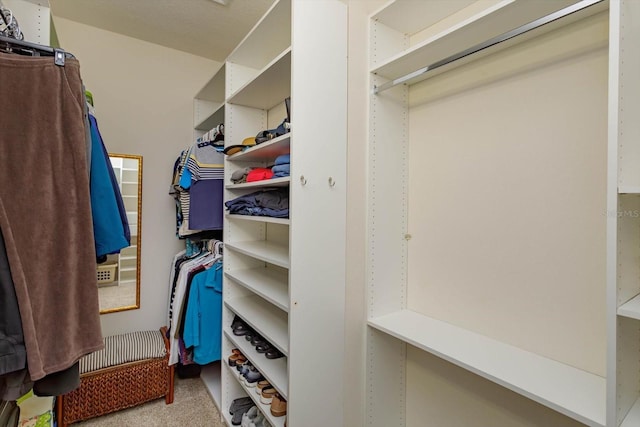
192,406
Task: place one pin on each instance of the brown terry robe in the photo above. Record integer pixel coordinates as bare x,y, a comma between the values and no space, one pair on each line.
45,210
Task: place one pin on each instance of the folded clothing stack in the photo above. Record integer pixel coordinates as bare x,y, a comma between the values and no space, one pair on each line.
272,202
281,166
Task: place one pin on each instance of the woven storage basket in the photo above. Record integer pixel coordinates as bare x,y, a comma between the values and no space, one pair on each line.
116,388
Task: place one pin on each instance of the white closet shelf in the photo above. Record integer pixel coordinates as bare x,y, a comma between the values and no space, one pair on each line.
568,390
274,370
628,189
630,308
270,284
213,90
267,151
264,250
633,416
251,392
268,37
271,220
276,182
409,17
212,120
269,88
485,25
210,375
268,320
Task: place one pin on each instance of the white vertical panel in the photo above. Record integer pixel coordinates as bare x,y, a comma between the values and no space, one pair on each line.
34,19
627,68
387,221
318,210
612,222
386,381
242,122
627,216
628,368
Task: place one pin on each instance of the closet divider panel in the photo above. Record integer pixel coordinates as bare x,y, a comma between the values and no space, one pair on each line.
623,214
507,155
318,212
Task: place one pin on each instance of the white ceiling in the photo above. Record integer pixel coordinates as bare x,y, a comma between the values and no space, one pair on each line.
201,27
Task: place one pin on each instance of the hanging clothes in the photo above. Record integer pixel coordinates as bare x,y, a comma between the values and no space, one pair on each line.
110,224
45,210
195,305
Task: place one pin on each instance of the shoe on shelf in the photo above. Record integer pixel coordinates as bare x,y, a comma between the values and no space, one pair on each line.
278,406
236,321
267,394
265,347
236,420
273,354
252,335
235,357
243,368
249,416
257,339
252,377
239,402
262,385
258,421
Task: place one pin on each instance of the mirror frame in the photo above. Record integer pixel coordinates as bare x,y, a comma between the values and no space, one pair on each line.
138,241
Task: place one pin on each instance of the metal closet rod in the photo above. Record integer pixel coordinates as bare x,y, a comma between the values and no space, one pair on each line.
491,42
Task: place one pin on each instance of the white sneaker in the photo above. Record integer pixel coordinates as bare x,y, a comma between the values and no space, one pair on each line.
249,416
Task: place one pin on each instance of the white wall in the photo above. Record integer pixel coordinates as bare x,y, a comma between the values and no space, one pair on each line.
143,94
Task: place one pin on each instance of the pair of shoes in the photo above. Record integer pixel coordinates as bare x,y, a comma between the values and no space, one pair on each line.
278,406
262,385
273,354
237,403
236,357
240,409
251,377
239,327
266,396
253,418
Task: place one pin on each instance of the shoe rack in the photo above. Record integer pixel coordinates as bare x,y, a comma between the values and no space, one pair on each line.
504,225
285,277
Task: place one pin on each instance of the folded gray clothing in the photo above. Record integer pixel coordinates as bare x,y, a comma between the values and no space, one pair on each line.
240,175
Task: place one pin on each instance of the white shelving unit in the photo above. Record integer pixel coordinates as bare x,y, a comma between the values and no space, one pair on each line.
446,280
275,271
208,112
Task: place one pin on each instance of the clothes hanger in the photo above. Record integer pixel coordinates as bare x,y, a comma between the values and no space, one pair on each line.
21,47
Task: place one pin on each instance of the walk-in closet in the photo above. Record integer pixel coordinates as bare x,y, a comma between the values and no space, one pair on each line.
309,213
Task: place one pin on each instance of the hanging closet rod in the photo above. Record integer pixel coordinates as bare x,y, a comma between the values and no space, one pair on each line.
562,13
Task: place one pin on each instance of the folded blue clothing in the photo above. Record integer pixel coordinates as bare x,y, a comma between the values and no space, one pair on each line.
280,175
281,168
282,159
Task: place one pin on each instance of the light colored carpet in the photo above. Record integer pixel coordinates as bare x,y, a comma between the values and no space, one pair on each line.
192,406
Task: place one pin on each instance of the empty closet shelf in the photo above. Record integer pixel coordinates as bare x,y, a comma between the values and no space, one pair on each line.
573,392
264,250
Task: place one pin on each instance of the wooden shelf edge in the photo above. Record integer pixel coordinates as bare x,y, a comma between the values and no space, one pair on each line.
573,392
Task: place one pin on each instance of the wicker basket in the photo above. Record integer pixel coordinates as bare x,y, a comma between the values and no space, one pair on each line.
116,388
106,273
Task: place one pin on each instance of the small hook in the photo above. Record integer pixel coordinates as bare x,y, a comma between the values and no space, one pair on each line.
332,183
303,180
